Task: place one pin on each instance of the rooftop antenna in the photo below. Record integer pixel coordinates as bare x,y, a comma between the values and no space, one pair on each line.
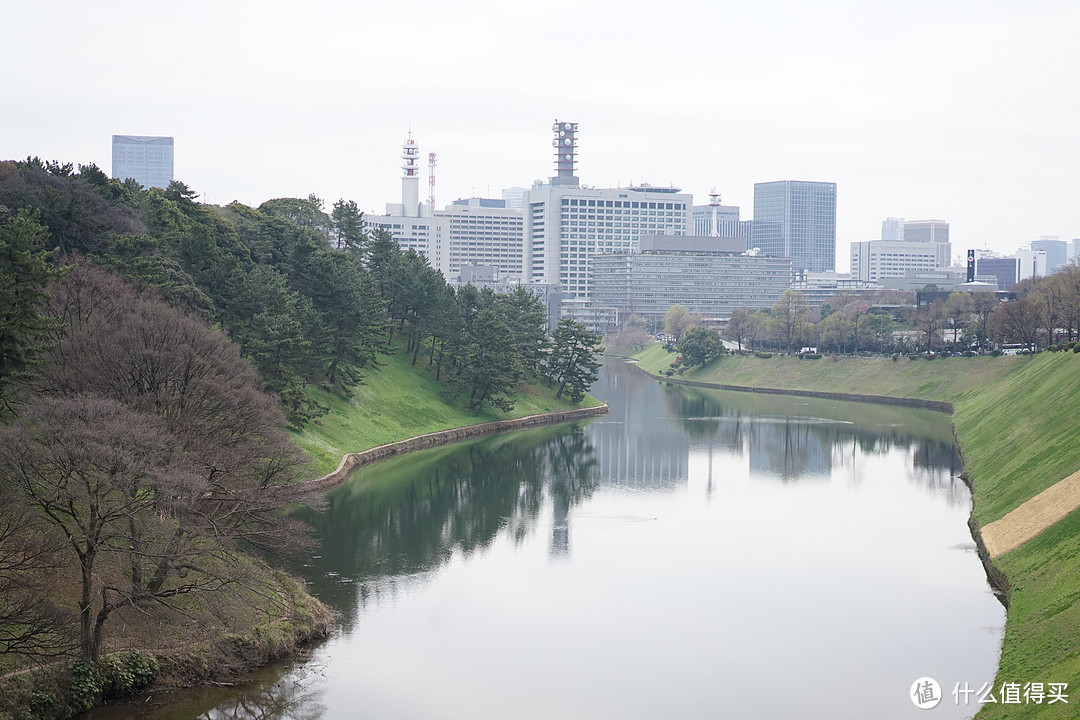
714,203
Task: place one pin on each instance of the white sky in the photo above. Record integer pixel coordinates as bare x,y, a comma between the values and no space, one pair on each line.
962,111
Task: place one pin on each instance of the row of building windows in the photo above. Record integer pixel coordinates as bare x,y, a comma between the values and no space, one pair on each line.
623,204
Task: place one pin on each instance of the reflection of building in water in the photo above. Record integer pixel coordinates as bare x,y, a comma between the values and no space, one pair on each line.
633,446
792,448
936,466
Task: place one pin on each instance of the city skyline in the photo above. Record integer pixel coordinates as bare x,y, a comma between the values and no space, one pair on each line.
917,110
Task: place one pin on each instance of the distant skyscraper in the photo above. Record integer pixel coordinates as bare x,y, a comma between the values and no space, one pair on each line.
892,230
796,219
146,159
926,231
1057,252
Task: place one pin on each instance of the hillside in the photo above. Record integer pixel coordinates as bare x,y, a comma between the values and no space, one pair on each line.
398,400
1016,422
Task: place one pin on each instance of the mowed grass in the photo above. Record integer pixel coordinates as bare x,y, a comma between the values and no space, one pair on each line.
396,401
1042,633
1018,423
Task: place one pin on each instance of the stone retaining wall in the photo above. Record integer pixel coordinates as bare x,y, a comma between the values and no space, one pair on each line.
444,437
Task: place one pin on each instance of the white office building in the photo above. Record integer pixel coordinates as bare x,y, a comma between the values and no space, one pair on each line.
147,159
874,260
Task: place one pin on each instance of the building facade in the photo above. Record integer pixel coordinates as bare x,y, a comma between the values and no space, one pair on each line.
709,282
1005,271
796,219
875,260
926,231
567,227
147,159
1057,252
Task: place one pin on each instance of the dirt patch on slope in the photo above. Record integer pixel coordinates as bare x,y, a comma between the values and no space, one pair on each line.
1032,517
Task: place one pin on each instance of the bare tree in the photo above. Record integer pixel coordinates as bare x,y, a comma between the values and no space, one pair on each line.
1017,322
152,450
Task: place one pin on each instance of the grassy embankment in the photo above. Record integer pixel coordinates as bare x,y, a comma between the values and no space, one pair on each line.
398,401
1018,424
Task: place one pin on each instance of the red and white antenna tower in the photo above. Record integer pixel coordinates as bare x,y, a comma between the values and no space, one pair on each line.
431,180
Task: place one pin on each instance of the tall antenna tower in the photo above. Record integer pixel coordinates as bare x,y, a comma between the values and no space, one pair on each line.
714,203
431,181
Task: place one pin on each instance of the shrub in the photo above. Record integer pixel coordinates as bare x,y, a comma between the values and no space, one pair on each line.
127,674
1076,348
895,357
669,372
996,353
810,356
1071,344
85,686
763,355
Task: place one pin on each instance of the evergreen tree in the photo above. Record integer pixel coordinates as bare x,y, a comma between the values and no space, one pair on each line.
573,364
25,270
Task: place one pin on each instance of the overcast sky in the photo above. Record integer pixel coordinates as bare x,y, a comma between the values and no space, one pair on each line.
963,111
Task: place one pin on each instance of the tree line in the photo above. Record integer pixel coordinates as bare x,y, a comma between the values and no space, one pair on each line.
1045,312
152,350
308,295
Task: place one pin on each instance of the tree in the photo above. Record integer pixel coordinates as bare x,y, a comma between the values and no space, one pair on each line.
25,270
348,222
152,443
1017,322
957,313
788,318
930,321
92,468
738,326
305,212
573,363
491,368
983,305
677,321
699,345
526,315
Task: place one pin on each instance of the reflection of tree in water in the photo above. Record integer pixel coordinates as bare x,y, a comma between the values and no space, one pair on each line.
294,696
396,522
572,464
792,438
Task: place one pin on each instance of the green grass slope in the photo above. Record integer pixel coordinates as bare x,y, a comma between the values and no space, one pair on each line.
1017,422
398,401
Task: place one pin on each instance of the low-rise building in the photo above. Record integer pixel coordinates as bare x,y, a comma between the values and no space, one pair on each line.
709,276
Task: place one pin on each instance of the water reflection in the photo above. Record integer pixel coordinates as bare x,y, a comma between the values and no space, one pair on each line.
473,568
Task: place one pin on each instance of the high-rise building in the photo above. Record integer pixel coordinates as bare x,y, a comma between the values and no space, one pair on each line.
567,225
147,159
796,219
892,230
926,231
1057,252
476,231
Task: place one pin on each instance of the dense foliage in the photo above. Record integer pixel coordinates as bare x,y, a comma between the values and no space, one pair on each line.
152,349
309,297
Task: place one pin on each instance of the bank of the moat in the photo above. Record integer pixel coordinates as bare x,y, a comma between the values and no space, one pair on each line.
1016,423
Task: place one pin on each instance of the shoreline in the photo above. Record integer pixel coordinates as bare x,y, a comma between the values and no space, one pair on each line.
351,461
997,580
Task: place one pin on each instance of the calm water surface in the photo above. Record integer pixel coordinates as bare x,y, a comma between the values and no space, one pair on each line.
693,554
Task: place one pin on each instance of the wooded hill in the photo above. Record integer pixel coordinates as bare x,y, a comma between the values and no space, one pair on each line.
152,349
